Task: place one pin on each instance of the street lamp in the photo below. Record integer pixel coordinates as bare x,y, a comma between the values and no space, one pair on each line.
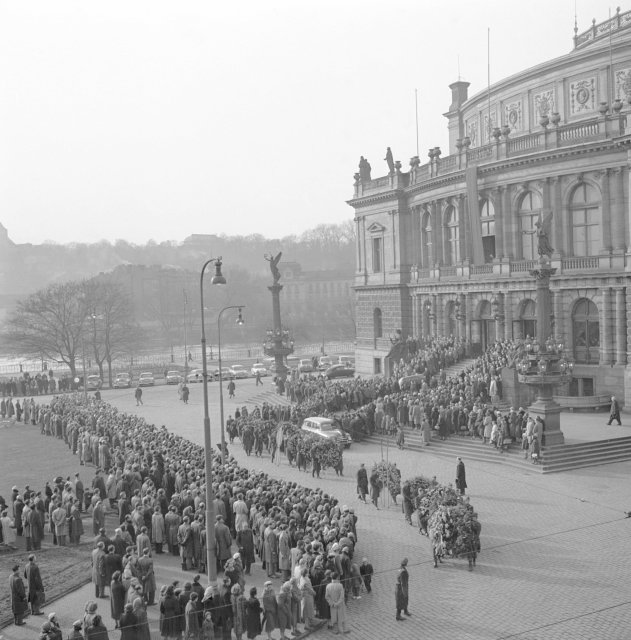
211,543
185,346
239,321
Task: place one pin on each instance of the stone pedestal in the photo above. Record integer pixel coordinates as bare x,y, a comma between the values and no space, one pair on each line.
550,413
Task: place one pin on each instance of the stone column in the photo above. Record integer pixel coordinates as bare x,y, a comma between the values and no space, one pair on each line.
462,321
508,316
605,327
467,314
499,222
617,209
462,233
440,315
621,327
437,233
559,244
467,230
558,330
606,212
359,246
508,224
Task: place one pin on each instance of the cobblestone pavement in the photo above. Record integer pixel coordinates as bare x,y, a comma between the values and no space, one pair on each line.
556,549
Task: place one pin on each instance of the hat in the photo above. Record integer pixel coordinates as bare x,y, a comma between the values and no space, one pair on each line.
267,583
236,556
208,594
14,489
77,624
51,615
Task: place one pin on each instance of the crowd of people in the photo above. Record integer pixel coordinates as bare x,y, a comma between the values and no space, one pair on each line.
152,482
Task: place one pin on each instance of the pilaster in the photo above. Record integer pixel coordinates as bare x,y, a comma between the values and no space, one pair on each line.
621,327
508,316
605,327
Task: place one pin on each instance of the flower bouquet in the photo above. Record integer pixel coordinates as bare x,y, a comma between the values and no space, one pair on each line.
390,477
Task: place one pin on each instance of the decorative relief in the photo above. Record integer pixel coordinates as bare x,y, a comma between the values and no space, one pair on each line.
513,115
489,122
472,131
623,83
583,96
544,103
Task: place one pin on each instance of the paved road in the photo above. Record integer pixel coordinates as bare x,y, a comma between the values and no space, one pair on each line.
556,548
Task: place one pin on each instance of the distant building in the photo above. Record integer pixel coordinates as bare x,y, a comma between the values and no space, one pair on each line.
446,248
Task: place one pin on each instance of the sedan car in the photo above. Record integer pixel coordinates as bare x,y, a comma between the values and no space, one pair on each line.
94,382
122,381
173,377
238,371
260,369
339,371
146,379
196,375
325,362
225,373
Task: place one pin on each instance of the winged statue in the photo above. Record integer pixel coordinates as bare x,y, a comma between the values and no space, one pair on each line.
273,265
543,229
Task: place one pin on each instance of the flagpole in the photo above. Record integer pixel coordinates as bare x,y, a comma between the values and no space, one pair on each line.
416,114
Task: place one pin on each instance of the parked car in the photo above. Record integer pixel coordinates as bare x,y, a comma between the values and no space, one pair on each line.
293,362
349,360
325,362
305,366
340,371
238,371
94,382
173,377
122,381
196,375
259,368
327,428
146,379
225,373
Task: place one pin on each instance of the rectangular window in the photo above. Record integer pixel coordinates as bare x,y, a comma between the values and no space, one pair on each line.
376,368
528,241
376,255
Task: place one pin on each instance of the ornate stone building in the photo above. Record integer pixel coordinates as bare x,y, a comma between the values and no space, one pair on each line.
442,248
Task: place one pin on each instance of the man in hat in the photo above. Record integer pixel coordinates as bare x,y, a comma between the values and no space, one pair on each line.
334,595
614,412
224,542
19,604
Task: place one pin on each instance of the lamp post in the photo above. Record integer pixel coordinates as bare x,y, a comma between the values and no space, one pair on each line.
239,321
211,543
185,347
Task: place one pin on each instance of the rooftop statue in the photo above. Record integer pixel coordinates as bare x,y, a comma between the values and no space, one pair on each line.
364,169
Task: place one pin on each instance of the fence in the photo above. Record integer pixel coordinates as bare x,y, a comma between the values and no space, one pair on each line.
165,359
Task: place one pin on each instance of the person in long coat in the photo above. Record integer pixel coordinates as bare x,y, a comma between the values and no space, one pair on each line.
270,609
19,604
117,597
158,530
147,577
170,615
185,540
270,550
362,482
143,623
98,570
191,618
253,615
172,522
245,542
129,623
284,550
35,585
98,518
284,608
75,524
224,542
308,602
238,611
461,480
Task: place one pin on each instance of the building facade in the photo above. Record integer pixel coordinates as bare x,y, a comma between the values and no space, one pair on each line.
447,247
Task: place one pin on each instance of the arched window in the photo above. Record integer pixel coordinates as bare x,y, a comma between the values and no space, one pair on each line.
453,235
586,332
487,220
529,212
427,240
377,323
586,220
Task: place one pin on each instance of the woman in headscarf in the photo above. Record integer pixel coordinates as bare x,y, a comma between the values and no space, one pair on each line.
270,609
284,609
191,618
308,603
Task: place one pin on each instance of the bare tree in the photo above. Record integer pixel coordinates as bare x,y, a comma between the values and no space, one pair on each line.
50,323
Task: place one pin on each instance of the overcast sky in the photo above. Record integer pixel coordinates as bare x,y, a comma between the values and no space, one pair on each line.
158,119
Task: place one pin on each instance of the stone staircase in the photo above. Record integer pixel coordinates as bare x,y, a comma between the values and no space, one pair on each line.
563,457
464,446
269,396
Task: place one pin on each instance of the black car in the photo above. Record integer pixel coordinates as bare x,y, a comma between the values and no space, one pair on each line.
340,371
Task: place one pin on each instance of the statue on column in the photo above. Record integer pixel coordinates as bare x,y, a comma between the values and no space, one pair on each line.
390,161
273,265
542,230
364,169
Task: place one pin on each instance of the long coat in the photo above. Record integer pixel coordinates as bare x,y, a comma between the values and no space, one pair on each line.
461,481
270,608
253,617
33,581
170,617
158,531
245,541
117,598
284,559
18,595
224,541
171,523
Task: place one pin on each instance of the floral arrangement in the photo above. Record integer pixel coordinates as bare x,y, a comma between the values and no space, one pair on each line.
452,528
390,477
